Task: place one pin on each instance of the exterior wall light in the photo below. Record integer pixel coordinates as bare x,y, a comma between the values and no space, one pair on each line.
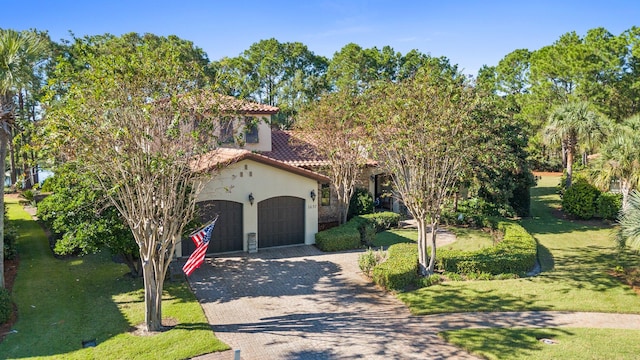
313,195
251,199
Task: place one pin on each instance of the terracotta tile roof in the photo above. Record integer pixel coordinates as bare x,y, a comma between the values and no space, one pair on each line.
294,148
298,148
206,99
225,156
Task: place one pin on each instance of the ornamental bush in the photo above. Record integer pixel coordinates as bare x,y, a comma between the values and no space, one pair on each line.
580,199
608,205
400,271
368,260
383,220
360,203
356,232
343,237
10,236
6,306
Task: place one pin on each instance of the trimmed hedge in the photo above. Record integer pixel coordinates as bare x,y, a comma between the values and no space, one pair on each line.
515,254
580,199
401,268
6,306
344,237
355,232
382,220
609,205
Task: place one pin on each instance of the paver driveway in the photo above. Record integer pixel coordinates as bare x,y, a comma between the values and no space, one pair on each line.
300,303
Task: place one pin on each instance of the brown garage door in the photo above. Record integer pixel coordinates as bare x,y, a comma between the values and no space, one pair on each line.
227,234
280,221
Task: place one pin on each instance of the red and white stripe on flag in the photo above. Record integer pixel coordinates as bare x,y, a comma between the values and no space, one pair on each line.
201,240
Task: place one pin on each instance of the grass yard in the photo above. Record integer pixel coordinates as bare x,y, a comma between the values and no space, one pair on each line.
64,302
570,343
469,239
466,239
575,256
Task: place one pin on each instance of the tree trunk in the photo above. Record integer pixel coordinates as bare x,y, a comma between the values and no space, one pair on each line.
14,173
4,137
134,264
153,284
432,258
422,247
569,168
625,190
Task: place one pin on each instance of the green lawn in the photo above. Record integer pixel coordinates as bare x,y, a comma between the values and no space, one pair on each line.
570,343
63,302
575,258
466,239
469,239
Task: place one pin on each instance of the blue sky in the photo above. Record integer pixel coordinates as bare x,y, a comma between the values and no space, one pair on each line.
469,33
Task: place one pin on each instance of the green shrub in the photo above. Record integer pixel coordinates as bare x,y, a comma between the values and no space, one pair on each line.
10,236
344,237
506,276
520,199
485,276
368,260
10,248
516,253
580,199
383,220
6,306
430,280
367,234
29,195
453,276
358,231
400,271
608,205
360,203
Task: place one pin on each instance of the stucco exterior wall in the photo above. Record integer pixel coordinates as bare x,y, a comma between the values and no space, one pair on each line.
264,135
240,179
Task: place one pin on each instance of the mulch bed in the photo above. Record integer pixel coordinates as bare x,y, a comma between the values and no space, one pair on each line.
10,272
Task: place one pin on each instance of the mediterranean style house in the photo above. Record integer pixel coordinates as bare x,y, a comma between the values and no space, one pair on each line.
269,189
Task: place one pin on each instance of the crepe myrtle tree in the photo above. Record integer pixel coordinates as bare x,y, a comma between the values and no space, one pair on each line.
422,130
333,123
130,110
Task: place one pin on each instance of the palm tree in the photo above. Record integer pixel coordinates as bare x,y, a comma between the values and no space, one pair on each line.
18,53
629,231
620,159
572,124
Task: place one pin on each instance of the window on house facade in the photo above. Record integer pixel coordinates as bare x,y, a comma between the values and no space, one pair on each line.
226,131
251,130
325,195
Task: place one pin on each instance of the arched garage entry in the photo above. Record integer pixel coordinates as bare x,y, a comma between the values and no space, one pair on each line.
227,234
281,221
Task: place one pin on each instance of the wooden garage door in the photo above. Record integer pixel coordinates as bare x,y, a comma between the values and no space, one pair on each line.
227,234
280,221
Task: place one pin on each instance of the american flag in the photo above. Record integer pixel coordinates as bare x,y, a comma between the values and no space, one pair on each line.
201,239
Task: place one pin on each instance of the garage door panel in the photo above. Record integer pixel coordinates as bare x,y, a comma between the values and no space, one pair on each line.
281,221
227,234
